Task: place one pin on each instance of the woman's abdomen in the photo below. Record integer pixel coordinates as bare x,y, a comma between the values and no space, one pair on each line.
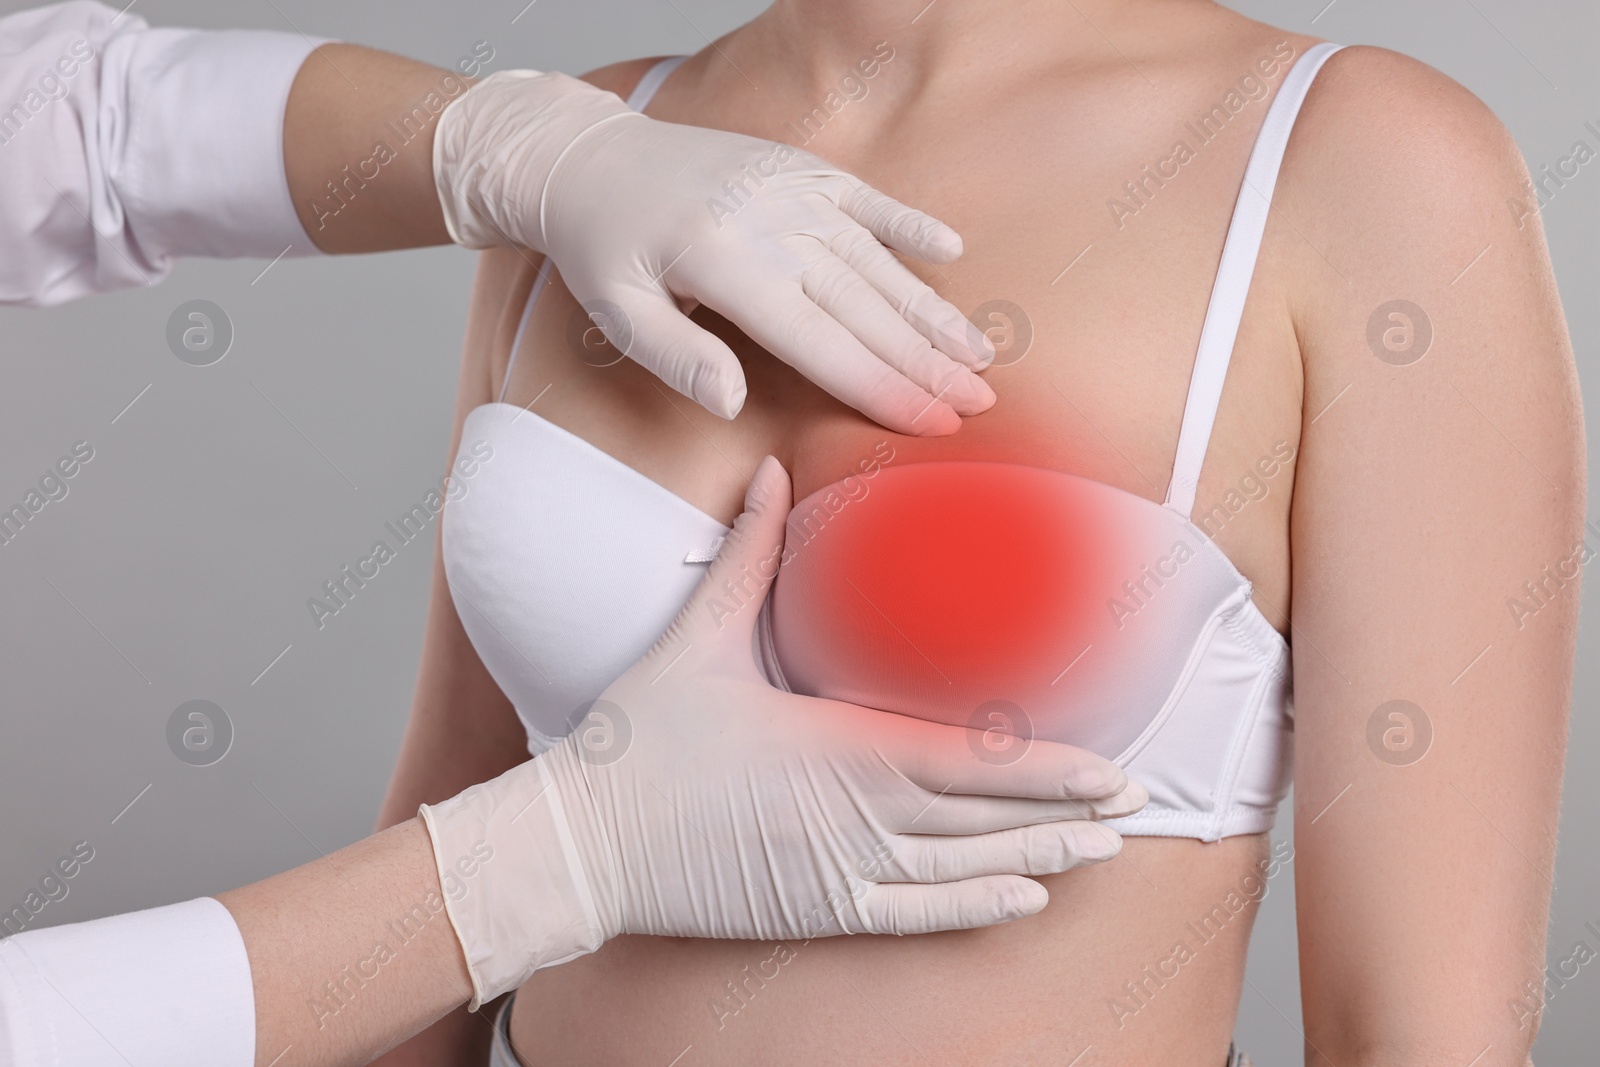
1141,958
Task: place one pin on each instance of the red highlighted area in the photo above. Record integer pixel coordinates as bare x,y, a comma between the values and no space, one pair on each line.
932,589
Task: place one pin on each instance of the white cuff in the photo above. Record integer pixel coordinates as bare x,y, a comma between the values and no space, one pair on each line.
169,986
196,160
497,145
532,906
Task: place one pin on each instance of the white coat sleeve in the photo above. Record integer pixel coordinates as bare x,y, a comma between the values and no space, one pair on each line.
123,148
167,986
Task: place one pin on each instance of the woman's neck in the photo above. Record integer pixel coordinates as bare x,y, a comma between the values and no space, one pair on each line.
941,37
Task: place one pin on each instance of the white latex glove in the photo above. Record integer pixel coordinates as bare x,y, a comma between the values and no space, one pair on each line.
695,800
624,205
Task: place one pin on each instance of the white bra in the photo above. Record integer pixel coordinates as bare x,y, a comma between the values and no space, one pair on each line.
565,565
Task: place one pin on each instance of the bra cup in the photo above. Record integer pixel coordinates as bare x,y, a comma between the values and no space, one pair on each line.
558,583
1220,762
1265,765
1100,681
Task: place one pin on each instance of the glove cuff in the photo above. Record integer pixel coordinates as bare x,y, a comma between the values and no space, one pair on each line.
497,145
513,884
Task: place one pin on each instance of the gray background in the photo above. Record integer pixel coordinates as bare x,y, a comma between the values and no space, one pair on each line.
179,564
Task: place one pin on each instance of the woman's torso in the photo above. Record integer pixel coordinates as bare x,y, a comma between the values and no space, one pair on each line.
1031,167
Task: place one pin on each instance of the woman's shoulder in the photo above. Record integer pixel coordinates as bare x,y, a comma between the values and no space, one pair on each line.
1390,103
1397,180
1384,138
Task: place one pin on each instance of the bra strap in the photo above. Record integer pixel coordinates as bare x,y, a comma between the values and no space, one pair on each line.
1234,273
639,99
645,91
522,326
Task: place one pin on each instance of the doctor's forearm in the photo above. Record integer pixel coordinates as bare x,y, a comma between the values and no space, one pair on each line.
350,954
358,148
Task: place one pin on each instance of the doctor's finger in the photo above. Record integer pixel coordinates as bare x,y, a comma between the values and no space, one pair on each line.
776,313
1031,850
914,908
748,558
654,332
914,300
956,814
960,760
836,288
902,228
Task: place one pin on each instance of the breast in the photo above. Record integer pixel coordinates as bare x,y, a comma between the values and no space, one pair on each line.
996,595
564,564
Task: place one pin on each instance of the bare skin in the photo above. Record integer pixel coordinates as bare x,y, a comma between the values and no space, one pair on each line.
348,199
1420,498
326,993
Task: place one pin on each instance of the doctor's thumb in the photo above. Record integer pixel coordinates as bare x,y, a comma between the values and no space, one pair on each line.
730,596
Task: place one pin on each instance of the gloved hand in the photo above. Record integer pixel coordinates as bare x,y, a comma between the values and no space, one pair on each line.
696,800
645,218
